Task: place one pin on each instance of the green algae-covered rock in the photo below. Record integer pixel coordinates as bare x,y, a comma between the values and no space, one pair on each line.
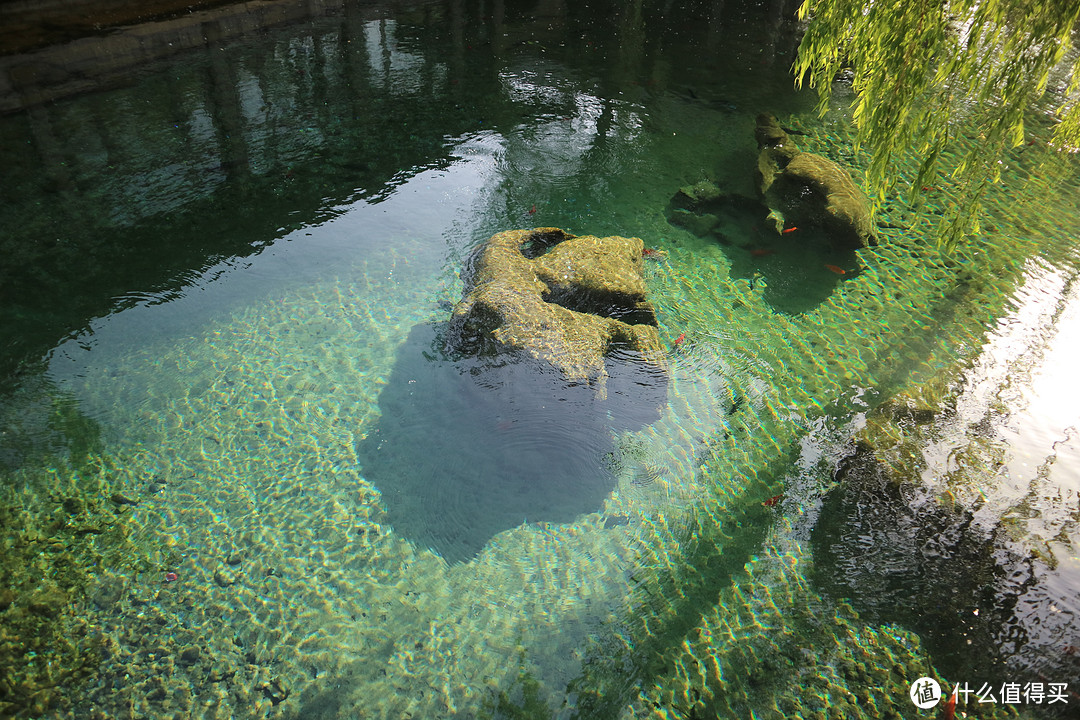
704,191
572,302
809,190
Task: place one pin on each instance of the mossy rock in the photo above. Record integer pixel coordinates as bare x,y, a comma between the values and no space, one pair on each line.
574,303
809,190
702,192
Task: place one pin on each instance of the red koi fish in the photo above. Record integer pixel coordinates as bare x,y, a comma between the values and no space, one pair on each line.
532,210
948,709
791,229
678,340
836,269
761,252
649,252
773,500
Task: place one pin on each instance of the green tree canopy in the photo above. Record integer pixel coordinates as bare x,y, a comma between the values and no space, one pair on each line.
927,71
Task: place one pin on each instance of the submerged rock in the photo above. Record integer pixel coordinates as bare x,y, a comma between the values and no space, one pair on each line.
576,303
704,191
701,224
809,190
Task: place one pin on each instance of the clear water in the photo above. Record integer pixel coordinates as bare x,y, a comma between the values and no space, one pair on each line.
225,283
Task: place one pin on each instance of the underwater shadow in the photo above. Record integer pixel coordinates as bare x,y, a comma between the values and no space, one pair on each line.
795,269
466,448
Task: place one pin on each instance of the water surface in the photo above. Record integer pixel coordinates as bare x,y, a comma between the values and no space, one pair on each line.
225,288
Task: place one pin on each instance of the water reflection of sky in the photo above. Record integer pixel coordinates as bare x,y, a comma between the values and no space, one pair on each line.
1011,453
1049,426
420,219
1027,368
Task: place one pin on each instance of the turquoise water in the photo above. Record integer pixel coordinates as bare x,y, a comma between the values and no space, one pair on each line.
223,297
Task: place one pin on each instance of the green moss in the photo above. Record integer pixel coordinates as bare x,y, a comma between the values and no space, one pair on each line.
569,301
810,190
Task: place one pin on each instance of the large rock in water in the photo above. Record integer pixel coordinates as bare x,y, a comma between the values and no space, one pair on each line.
575,303
810,190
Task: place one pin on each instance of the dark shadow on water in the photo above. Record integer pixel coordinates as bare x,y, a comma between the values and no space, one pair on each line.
795,271
466,448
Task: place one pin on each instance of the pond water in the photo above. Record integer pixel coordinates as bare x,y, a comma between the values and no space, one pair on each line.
242,468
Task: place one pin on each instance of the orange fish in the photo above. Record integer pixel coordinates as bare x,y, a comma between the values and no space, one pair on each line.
836,269
791,229
678,340
948,710
773,500
761,252
532,210
649,252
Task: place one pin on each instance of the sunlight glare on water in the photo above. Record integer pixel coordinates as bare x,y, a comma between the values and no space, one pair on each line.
1048,428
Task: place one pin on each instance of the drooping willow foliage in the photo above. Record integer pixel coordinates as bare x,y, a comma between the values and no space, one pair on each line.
926,71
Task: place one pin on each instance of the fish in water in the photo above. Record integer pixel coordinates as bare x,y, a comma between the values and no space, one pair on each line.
532,210
791,229
773,500
678,340
948,709
653,253
836,269
761,252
